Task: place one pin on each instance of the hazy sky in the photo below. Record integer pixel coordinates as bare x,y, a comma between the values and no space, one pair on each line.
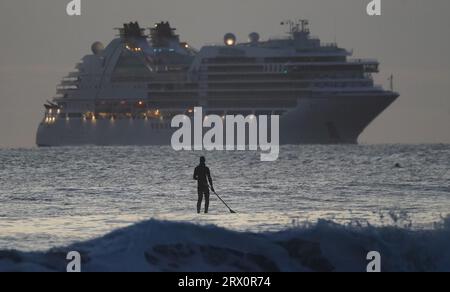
39,44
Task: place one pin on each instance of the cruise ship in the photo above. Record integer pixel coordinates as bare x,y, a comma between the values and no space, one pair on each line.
128,92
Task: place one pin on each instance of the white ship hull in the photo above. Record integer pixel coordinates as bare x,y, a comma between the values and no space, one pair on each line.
328,120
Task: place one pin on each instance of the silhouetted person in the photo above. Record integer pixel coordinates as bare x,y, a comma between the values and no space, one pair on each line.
203,176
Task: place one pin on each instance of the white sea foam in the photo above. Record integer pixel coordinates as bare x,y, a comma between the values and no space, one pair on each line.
325,246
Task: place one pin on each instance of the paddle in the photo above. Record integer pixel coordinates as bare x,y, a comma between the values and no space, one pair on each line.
231,210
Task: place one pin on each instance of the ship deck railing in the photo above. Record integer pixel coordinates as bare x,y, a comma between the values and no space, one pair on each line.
363,61
290,64
281,90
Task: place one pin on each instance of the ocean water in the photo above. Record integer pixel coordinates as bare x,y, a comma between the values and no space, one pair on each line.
58,196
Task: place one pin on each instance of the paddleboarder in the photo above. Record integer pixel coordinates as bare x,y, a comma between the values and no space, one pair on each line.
202,175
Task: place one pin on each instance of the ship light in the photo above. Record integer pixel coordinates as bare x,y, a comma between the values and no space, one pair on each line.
140,103
230,42
230,39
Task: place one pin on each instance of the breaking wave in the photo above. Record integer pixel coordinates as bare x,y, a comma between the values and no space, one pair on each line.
180,247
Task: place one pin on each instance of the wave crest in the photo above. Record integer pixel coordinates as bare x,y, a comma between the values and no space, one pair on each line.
322,247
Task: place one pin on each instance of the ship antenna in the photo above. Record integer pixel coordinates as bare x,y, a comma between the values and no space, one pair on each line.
298,26
305,25
291,25
335,30
391,82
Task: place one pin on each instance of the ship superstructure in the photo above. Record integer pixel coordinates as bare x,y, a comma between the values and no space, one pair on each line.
128,92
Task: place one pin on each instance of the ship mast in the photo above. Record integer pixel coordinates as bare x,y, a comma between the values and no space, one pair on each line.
391,82
297,26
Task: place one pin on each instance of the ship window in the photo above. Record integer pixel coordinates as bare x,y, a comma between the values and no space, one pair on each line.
333,132
263,113
74,115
